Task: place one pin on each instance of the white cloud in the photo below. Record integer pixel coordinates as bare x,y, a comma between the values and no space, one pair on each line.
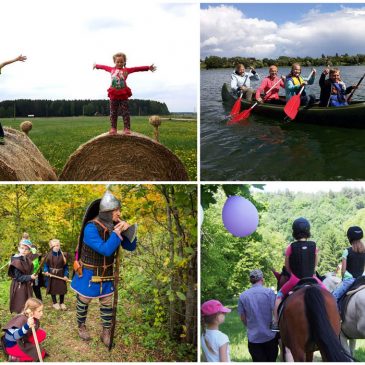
62,40
311,35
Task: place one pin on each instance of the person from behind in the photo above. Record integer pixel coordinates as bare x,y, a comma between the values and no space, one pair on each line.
301,259
353,261
255,307
215,344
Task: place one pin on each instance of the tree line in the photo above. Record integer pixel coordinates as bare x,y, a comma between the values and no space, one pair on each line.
71,108
336,60
226,260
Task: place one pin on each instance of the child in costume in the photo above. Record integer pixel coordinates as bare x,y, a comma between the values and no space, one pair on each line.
55,263
18,339
36,259
118,91
215,344
21,272
19,58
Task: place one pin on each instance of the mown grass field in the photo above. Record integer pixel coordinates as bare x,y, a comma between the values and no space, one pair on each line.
135,340
237,334
58,138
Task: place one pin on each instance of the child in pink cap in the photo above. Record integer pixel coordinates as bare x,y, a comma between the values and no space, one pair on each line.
215,344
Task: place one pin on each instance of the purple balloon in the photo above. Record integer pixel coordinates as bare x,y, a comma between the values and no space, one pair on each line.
240,216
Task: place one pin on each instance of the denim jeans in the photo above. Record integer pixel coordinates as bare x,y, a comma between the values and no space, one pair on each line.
340,291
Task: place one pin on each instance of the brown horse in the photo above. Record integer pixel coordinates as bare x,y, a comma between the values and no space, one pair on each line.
310,322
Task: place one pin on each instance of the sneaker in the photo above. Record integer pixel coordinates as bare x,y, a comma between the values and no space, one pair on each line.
14,359
63,307
56,306
113,131
127,131
274,327
2,140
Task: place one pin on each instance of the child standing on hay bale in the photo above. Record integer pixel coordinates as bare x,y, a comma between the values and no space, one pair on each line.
18,341
19,58
119,92
55,264
21,272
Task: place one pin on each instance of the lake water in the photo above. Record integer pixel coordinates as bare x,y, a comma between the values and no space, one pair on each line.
266,149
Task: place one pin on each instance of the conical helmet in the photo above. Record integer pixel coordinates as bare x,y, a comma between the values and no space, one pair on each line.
109,202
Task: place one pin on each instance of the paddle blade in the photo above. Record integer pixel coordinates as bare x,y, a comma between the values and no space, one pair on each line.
236,106
241,116
292,107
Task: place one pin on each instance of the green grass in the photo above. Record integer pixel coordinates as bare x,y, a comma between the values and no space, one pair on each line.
237,334
135,340
58,138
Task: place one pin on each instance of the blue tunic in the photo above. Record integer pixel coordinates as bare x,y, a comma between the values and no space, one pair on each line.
92,238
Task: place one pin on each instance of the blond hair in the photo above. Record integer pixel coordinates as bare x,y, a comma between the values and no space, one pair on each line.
25,236
55,241
358,246
31,305
120,54
205,321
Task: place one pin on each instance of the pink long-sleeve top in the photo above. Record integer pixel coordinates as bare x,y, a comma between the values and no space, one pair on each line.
118,88
266,85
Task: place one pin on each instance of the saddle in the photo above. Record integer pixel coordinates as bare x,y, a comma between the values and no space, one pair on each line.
358,284
301,284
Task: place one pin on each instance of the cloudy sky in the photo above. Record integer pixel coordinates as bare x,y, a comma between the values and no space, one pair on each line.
62,40
272,30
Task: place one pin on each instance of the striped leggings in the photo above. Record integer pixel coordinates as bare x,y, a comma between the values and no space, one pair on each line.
119,107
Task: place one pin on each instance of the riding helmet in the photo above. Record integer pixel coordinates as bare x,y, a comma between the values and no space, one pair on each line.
354,233
301,227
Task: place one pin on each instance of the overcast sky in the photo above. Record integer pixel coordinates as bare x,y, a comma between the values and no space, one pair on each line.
272,30
62,40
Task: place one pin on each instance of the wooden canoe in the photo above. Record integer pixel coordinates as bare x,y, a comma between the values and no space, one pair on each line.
352,116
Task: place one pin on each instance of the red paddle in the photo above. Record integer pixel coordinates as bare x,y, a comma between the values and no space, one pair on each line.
292,106
236,106
246,113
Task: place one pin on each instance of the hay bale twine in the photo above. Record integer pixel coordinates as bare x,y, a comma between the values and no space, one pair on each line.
26,126
121,157
21,160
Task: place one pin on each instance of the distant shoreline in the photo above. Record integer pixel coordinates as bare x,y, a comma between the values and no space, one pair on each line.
283,61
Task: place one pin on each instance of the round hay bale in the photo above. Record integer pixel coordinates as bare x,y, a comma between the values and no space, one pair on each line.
155,120
26,126
21,160
121,157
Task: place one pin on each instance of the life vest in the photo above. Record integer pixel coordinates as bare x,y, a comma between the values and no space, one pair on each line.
355,262
337,98
302,258
297,81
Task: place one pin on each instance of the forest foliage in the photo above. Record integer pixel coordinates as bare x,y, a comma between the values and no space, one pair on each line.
159,278
74,108
226,260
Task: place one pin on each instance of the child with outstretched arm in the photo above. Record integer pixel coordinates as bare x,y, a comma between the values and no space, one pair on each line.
20,58
119,92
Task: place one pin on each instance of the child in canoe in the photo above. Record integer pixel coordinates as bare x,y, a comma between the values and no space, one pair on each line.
267,83
333,89
294,82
